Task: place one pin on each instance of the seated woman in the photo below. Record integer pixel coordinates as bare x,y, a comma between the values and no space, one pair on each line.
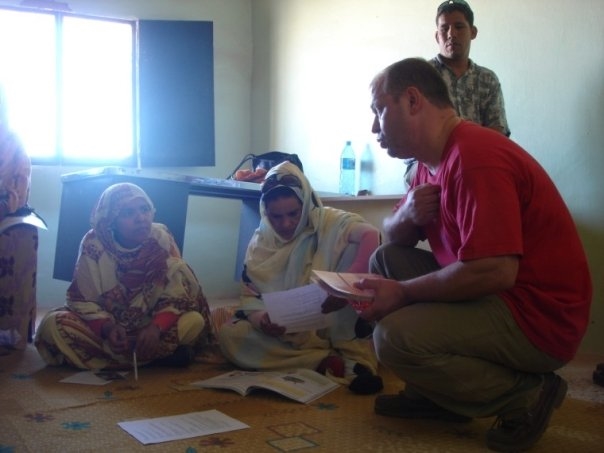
15,170
297,234
18,240
131,292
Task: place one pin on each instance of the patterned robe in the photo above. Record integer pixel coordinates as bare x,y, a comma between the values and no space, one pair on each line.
130,287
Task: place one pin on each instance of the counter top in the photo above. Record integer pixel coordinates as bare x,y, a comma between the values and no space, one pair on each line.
216,187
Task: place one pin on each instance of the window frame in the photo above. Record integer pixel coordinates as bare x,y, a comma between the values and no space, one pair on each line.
192,147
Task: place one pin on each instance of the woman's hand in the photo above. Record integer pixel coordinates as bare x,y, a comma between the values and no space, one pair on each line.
147,342
116,337
261,321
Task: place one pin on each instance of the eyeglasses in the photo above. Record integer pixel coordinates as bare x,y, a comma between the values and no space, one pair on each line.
280,180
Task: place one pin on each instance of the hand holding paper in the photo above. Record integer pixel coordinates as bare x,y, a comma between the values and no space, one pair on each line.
342,285
298,309
262,321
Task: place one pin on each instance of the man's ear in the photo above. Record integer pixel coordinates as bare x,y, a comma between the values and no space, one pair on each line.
436,37
414,98
474,32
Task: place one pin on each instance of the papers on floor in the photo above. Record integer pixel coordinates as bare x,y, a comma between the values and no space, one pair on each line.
178,427
95,377
302,385
298,309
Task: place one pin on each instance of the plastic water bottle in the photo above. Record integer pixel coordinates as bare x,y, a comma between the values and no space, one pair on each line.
366,179
347,170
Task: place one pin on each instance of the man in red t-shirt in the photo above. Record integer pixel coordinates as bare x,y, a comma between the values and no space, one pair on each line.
476,326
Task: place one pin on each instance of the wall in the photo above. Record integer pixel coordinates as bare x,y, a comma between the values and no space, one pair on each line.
212,223
292,75
317,58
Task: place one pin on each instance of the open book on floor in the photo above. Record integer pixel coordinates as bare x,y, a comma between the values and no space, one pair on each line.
302,385
341,284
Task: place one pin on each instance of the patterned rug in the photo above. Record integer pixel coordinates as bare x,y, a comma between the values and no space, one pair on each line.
40,414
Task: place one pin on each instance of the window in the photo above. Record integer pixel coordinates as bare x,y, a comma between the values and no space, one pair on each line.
93,91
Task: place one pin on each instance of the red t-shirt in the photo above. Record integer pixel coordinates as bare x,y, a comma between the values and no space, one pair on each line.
497,200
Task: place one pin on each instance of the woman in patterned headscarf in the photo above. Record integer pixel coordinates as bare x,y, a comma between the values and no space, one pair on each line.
15,167
297,234
18,240
131,291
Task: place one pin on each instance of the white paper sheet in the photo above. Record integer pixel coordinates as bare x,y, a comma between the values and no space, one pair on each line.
94,377
298,309
177,427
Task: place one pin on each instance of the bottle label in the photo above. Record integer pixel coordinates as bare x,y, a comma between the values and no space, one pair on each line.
347,163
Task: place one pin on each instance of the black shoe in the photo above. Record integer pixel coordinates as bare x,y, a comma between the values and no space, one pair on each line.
182,357
401,406
365,383
521,432
363,328
598,375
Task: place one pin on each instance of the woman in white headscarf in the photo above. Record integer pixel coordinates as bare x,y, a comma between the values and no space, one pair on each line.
131,291
297,234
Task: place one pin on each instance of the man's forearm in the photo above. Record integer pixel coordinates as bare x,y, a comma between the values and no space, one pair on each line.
399,231
463,280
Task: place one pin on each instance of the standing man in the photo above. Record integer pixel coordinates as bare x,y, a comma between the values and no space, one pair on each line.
475,90
477,327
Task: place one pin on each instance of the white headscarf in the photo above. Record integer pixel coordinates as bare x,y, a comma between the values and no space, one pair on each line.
274,264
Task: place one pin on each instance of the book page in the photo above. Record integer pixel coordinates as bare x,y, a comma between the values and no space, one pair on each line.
94,377
238,381
302,385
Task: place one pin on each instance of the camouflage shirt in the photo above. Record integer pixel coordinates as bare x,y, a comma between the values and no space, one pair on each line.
476,94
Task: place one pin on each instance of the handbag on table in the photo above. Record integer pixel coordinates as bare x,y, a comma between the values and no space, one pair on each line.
261,164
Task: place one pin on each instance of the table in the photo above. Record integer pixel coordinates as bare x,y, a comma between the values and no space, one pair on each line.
170,193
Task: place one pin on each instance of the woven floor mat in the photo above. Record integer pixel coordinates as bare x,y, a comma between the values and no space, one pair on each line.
40,414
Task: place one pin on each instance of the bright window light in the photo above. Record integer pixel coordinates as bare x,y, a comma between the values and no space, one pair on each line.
68,82
28,78
97,89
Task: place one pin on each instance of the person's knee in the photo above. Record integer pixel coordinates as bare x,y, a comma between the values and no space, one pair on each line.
393,340
400,262
377,260
235,335
233,332
48,327
190,326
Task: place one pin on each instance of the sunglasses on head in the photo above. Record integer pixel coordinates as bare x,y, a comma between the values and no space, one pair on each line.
280,180
453,2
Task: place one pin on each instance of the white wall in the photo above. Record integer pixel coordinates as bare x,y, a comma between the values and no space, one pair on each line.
318,57
212,224
292,75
